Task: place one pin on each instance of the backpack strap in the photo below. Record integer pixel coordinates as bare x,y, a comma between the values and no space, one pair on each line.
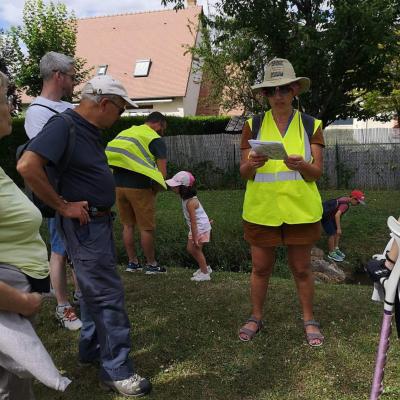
308,123
42,105
256,124
66,158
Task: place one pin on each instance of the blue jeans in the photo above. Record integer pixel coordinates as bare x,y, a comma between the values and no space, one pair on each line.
105,332
56,242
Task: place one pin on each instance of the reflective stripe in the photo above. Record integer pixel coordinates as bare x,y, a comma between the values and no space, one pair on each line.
307,147
131,156
278,176
139,146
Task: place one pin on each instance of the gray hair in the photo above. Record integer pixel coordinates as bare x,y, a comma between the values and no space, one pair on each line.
3,81
53,61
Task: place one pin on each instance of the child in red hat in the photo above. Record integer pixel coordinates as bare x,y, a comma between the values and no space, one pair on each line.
333,211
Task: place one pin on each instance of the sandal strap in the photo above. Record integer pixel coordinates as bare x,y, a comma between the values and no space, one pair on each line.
312,322
255,320
312,336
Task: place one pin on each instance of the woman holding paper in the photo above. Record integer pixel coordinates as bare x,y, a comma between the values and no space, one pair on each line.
282,205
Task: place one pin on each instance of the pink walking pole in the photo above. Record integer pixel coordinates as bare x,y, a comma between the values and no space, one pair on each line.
390,285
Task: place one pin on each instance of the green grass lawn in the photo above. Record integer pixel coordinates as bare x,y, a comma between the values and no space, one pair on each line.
364,230
184,338
184,335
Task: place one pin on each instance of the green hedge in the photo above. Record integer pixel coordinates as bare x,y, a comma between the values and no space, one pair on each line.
176,126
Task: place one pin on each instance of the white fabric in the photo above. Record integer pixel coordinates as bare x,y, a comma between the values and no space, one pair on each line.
378,294
21,351
203,223
36,117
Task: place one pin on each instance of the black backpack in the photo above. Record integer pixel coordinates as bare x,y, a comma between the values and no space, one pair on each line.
308,123
53,173
329,208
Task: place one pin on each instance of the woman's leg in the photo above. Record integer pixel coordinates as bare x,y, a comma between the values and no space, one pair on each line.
263,260
299,257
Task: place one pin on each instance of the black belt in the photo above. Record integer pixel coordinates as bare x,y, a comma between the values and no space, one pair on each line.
99,211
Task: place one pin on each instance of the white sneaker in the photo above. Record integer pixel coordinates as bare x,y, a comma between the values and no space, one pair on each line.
67,318
201,277
209,270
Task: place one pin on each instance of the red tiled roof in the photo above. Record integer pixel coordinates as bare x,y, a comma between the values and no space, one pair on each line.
120,40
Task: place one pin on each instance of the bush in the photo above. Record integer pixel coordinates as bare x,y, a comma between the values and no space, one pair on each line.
176,126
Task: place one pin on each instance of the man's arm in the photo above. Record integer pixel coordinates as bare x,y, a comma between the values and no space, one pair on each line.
16,301
162,166
31,167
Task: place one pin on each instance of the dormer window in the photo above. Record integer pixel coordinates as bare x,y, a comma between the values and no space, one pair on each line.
102,70
142,68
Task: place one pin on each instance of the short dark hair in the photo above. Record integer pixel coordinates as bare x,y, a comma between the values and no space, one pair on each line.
187,192
156,117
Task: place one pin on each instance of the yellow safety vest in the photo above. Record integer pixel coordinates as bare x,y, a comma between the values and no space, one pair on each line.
277,194
130,150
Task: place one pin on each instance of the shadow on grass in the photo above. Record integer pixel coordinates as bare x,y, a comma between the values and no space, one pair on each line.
185,340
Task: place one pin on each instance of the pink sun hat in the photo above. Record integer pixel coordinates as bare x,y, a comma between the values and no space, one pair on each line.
182,178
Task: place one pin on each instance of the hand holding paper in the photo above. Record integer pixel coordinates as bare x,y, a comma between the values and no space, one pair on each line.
272,150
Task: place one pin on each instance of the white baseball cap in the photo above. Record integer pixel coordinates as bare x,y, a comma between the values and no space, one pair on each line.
182,178
106,84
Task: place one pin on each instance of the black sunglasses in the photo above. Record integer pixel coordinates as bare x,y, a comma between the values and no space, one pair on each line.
283,90
121,109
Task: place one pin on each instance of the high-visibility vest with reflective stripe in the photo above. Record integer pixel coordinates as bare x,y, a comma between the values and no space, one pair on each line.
277,194
130,150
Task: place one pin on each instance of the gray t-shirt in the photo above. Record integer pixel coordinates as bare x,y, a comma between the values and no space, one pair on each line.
37,116
87,176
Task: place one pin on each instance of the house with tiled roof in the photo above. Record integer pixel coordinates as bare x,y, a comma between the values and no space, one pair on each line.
147,52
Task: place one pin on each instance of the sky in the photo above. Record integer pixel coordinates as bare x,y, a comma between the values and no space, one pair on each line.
11,10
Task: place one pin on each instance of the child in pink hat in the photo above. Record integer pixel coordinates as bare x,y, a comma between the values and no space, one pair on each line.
197,221
334,209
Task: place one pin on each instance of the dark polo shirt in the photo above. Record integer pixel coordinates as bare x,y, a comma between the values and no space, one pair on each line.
87,176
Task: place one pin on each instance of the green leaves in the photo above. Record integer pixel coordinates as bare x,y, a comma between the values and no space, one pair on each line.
324,40
46,27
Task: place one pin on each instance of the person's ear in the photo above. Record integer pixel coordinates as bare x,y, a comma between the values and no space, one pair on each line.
295,88
102,104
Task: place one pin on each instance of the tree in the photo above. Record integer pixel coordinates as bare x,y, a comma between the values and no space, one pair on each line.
45,28
8,62
342,45
385,105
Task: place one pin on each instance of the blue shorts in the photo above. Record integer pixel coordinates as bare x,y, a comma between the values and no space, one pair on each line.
56,243
329,226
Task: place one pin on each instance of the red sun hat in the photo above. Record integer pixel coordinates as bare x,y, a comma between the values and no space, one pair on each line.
359,196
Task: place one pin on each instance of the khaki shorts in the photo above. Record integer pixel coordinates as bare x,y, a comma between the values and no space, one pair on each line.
285,234
137,207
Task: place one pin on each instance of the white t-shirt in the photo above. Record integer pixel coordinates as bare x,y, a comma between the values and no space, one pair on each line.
203,223
37,116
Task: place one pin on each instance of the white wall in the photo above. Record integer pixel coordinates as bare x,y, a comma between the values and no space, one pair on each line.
174,107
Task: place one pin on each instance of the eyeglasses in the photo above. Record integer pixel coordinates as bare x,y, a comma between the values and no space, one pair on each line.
121,109
72,76
283,90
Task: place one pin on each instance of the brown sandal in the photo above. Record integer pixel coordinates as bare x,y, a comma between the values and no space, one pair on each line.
250,333
310,337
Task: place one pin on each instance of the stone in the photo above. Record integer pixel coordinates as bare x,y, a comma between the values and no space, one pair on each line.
325,271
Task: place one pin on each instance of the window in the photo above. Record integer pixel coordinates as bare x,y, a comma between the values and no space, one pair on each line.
142,68
102,69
